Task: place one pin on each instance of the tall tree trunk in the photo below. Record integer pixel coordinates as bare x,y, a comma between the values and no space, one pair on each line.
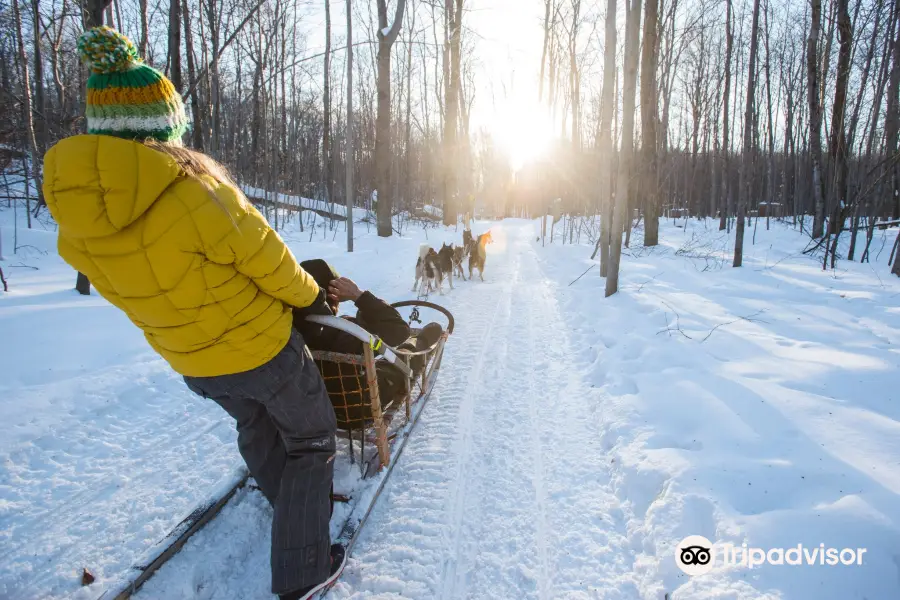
626,155
892,126
175,43
605,145
548,6
93,17
40,132
815,117
574,83
348,167
196,113
386,38
770,160
726,129
326,111
747,158
93,12
27,108
145,28
451,108
407,172
838,144
650,179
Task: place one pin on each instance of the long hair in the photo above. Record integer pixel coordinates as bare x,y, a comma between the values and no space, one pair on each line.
197,165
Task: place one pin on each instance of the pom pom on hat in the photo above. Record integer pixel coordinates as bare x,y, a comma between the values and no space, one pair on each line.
125,97
107,51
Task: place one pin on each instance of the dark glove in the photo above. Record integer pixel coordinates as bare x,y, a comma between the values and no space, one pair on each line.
319,306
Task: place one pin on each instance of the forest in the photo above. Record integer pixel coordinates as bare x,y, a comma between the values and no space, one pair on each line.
734,110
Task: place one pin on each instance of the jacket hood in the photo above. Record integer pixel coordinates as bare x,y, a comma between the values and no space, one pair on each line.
96,185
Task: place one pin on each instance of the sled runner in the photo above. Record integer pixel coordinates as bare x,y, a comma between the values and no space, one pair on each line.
389,437
363,413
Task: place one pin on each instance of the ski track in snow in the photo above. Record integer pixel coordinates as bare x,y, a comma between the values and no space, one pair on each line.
530,510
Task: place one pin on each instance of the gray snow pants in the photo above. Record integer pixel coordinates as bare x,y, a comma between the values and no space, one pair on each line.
286,428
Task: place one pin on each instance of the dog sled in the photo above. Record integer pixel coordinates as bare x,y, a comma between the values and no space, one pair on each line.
379,435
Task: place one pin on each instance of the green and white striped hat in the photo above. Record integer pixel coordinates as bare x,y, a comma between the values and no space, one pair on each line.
125,97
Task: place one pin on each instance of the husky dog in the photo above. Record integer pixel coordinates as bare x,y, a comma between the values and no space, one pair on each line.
459,253
445,261
428,271
478,253
467,241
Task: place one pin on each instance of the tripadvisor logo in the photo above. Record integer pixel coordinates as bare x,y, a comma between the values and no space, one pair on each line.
696,555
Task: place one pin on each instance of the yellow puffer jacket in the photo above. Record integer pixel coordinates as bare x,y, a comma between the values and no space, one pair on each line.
207,279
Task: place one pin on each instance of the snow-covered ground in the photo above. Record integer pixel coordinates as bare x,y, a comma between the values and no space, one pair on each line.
571,441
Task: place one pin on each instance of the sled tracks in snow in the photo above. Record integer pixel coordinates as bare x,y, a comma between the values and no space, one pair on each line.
170,545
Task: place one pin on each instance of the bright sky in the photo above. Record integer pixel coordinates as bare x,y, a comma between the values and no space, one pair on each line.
509,38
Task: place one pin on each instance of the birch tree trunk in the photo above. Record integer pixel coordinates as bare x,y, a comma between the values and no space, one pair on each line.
29,120
41,133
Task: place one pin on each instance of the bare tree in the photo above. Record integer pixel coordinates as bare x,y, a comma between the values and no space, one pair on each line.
649,116
326,110
175,43
349,194
726,103
626,154
815,117
453,27
605,141
27,108
746,158
386,37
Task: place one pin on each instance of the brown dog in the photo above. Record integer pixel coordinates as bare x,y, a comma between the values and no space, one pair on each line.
478,253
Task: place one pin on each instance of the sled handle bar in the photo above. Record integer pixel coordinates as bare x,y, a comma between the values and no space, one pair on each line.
374,342
430,305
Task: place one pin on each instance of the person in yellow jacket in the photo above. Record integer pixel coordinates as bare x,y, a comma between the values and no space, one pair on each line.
164,234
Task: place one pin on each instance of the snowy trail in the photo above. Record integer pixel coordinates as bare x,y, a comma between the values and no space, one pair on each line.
502,492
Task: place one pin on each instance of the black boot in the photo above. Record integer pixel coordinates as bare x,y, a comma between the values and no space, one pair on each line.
338,553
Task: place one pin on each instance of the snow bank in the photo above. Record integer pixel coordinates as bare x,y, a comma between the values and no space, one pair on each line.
754,405
259,195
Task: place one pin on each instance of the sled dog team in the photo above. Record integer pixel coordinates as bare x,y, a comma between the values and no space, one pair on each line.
433,267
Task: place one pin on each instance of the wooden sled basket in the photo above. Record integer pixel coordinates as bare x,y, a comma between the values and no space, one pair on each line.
362,409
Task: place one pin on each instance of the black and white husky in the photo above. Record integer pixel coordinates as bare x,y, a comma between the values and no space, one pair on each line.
428,271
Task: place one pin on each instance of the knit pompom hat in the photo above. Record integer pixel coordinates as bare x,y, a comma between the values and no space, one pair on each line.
125,97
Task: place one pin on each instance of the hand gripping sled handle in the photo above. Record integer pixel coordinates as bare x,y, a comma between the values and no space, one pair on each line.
374,342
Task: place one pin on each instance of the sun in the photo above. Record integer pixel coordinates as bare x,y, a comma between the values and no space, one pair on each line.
524,133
